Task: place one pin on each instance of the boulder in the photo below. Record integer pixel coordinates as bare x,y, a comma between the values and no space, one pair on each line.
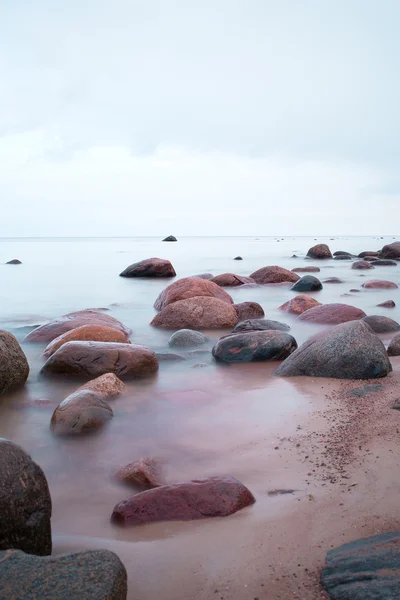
144,473
238,258
14,367
380,324
207,276
361,265
274,274
49,331
381,262
201,312
333,280
342,253
248,310
387,304
332,314
366,569
190,287
197,499
186,338
299,304
343,257
254,346
25,503
368,253
260,325
91,359
306,270
347,351
391,251
170,238
106,386
81,412
14,261
379,284
231,280
394,346
150,267
88,575
308,283
87,333
319,251
168,357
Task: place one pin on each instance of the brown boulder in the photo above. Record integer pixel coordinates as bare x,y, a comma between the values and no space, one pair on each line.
306,270
320,251
197,313
300,304
332,314
248,310
81,412
231,280
380,324
361,265
49,331
379,284
150,267
387,304
391,251
106,386
274,274
190,287
14,367
197,499
91,359
145,473
25,503
394,346
87,333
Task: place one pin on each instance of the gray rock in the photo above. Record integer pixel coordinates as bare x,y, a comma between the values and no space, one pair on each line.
308,283
14,261
394,346
381,324
381,262
254,346
341,253
170,238
260,325
81,412
14,367
186,338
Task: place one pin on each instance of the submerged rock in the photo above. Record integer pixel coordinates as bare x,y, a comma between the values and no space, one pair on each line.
394,346
190,287
368,253
260,325
387,304
320,251
248,310
308,283
145,473
186,338
14,367
169,357
231,280
332,314
106,386
343,257
254,346
361,265
201,312
81,412
379,284
274,274
381,324
170,238
150,267
14,261
342,253
207,276
299,304
391,251
87,333
306,270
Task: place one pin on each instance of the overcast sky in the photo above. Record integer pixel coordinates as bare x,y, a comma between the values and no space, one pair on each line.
205,117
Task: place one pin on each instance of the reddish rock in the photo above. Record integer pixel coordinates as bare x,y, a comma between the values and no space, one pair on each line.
320,251
368,253
379,284
381,324
87,333
254,346
306,270
91,359
394,346
150,267
274,274
391,251
231,280
106,386
299,304
388,304
81,412
197,499
14,367
145,473
332,314
49,331
248,310
190,287
361,265
201,312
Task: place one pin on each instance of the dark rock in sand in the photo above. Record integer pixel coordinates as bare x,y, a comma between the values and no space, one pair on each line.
106,386
87,333
207,276
186,338
333,280
387,304
168,357
88,575
380,324
25,505
319,251
391,251
380,262
366,569
394,346
197,499
260,325
254,346
150,267
308,283
14,367
306,270
368,253
14,261
91,359
238,258
361,265
170,238
347,351
81,412
299,304
190,287
144,473
274,274
231,280
248,310
332,314
379,284
201,312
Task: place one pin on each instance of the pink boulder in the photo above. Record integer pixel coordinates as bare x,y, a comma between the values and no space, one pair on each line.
379,284
190,287
300,304
201,312
274,274
332,314
319,251
387,304
87,333
248,310
361,265
231,280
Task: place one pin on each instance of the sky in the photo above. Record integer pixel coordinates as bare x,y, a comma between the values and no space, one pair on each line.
211,117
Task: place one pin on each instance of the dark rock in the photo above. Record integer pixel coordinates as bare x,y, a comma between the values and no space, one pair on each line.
87,333
150,267
170,238
306,270
201,312
186,338
168,356
368,253
347,351
14,367
380,324
394,346
260,325
361,265
391,251
89,575
332,314
341,253
299,304
353,290
380,262
14,261
190,287
274,274
333,280
198,499
81,412
308,283
368,388
254,346
379,284
231,280
388,304
144,473
319,251
366,569
25,504
248,310
238,258
396,404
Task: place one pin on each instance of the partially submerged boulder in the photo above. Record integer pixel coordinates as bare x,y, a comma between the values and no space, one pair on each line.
394,346
106,386
14,367
332,314
254,346
14,261
87,333
187,338
387,304
320,251
190,287
83,411
308,283
248,310
333,280
260,325
391,251
274,274
170,238
201,312
380,284
381,262
368,253
309,269
143,473
380,324
299,304
361,265
231,280
150,267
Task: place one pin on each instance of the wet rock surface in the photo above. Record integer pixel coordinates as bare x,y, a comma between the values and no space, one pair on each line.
186,338
381,324
143,473
332,314
87,333
319,251
106,386
380,284
231,280
150,267
14,367
83,411
254,346
299,304
201,312
361,265
248,310
391,251
190,287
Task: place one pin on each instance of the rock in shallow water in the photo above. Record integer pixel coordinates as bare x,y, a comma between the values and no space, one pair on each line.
306,270
14,367
274,274
391,251
248,310
308,283
14,261
106,386
387,304
190,287
187,338
332,314
254,346
299,304
197,313
361,265
379,284
170,238
83,411
380,324
320,251
87,333
145,473
231,280
150,267
394,346
260,325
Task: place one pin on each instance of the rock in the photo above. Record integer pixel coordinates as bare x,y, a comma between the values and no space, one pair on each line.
396,404
387,304
170,238
379,284
343,257
353,290
89,575
342,253
391,251
106,386
361,265
394,346
87,333
370,259
248,310
380,262
238,258
333,280
145,473
299,304
306,270
207,276
49,331
186,338
308,283
190,287
332,314
260,325
201,312
380,324
197,499
347,351
150,267
168,357
91,359
232,280
14,367
274,274
368,253
25,503
254,346
319,251
81,412
366,569
14,261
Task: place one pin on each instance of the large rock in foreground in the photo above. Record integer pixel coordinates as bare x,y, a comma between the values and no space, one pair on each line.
308,283
248,310
300,304
197,313
347,351
320,251
25,503
254,346
274,274
190,287
381,324
198,499
231,280
89,575
150,267
87,333
91,359
332,314
391,251
81,412
367,569
394,346
14,367
378,284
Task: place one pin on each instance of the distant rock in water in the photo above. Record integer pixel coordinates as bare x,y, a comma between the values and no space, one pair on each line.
309,269
254,346
231,280
333,280
380,324
308,283
14,261
299,304
381,262
361,265
207,276
391,251
332,314
274,274
170,238
238,258
320,251
368,253
341,253
150,267
343,257
379,284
